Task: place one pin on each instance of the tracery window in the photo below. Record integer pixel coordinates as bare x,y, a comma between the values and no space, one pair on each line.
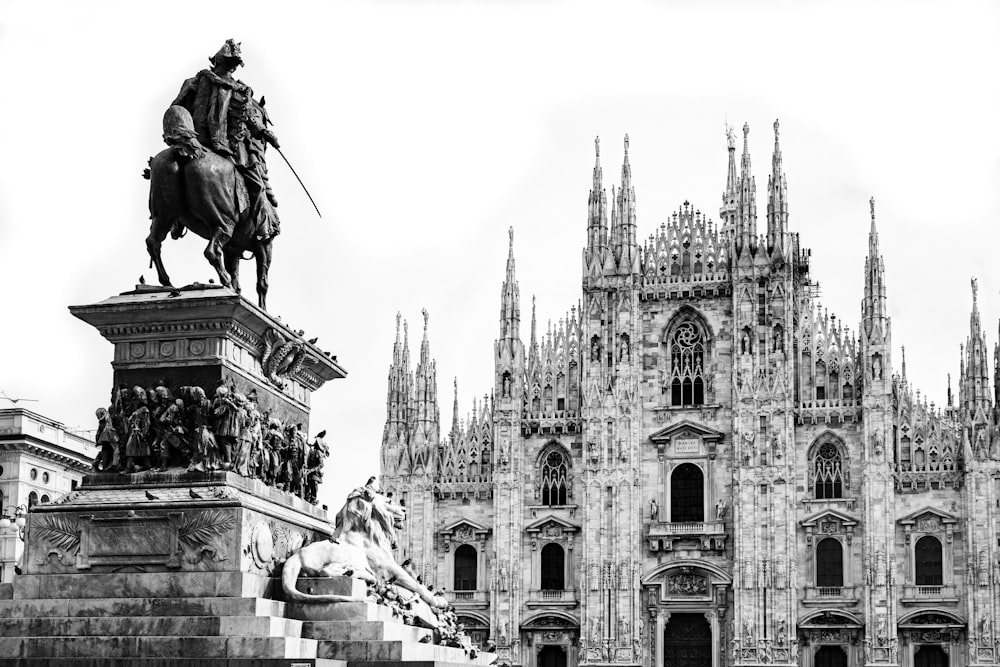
554,477
687,362
465,568
827,471
829,563
927,561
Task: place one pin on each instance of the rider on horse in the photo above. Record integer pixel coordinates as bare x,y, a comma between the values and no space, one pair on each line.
231,123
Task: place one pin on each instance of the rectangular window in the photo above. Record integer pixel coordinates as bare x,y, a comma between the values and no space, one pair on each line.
820,393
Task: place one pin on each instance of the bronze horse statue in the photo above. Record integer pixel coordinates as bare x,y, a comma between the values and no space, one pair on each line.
192,187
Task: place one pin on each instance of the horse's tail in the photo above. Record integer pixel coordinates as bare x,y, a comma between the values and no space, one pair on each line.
290,574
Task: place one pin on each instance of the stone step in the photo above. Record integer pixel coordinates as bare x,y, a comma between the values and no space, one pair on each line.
164,626
396,651
340,611
189,606
143,585
178,662
417,663
327,586
156,647
363,631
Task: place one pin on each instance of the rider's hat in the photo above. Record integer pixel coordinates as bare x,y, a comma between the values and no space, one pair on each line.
230,51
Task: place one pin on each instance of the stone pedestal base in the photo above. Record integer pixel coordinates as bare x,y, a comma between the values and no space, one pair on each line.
162,569
170,522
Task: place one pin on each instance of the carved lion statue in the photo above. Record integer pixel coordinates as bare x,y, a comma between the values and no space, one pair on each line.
361,547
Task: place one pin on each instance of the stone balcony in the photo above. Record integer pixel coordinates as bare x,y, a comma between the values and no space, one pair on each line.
830,596
929,595
469,599
550,421
710,535
552,598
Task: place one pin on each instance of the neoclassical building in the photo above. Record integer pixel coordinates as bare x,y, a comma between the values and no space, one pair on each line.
700,467
40,462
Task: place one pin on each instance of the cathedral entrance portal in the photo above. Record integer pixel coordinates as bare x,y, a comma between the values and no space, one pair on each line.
687,641
930,655
552,656
830,656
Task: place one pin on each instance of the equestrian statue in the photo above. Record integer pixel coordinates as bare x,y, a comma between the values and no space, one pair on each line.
212,178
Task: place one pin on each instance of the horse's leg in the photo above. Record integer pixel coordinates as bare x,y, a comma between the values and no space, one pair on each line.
232,263
213,253
262,253
157,232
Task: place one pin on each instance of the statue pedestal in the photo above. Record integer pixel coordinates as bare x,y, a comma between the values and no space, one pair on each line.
204,335
179,567
169,522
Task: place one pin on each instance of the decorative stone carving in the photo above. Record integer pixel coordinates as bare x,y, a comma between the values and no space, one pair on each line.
687,584
262,544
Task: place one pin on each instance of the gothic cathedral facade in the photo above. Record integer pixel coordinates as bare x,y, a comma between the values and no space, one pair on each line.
699,467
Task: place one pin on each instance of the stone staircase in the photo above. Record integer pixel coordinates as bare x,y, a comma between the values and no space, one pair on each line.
203,619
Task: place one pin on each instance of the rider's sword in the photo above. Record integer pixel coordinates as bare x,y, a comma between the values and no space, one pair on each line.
304,189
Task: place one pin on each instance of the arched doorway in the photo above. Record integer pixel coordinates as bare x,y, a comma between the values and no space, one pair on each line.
930,655
551,656
830,656
687,641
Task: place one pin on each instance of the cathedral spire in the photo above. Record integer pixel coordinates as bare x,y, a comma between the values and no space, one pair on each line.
746,214
730,196
597,204
510,309
426,421
395,436
455,431
623,225
777,201
973,385
874,313
533,342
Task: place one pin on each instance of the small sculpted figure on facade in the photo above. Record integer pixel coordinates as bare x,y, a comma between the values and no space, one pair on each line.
173,438
107,440
654,510
137,446
878,443
720,509
318,453
225,424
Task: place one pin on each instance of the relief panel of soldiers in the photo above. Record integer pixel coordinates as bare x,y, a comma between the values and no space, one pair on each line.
152,428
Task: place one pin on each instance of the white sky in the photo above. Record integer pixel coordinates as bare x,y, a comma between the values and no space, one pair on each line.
425,129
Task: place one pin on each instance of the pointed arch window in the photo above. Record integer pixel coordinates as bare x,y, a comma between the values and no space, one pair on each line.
827,472
465,568
555,472
687,363
820,380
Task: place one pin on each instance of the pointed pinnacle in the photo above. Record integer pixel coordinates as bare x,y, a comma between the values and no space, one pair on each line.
597,146
399,316
426,318
626,146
